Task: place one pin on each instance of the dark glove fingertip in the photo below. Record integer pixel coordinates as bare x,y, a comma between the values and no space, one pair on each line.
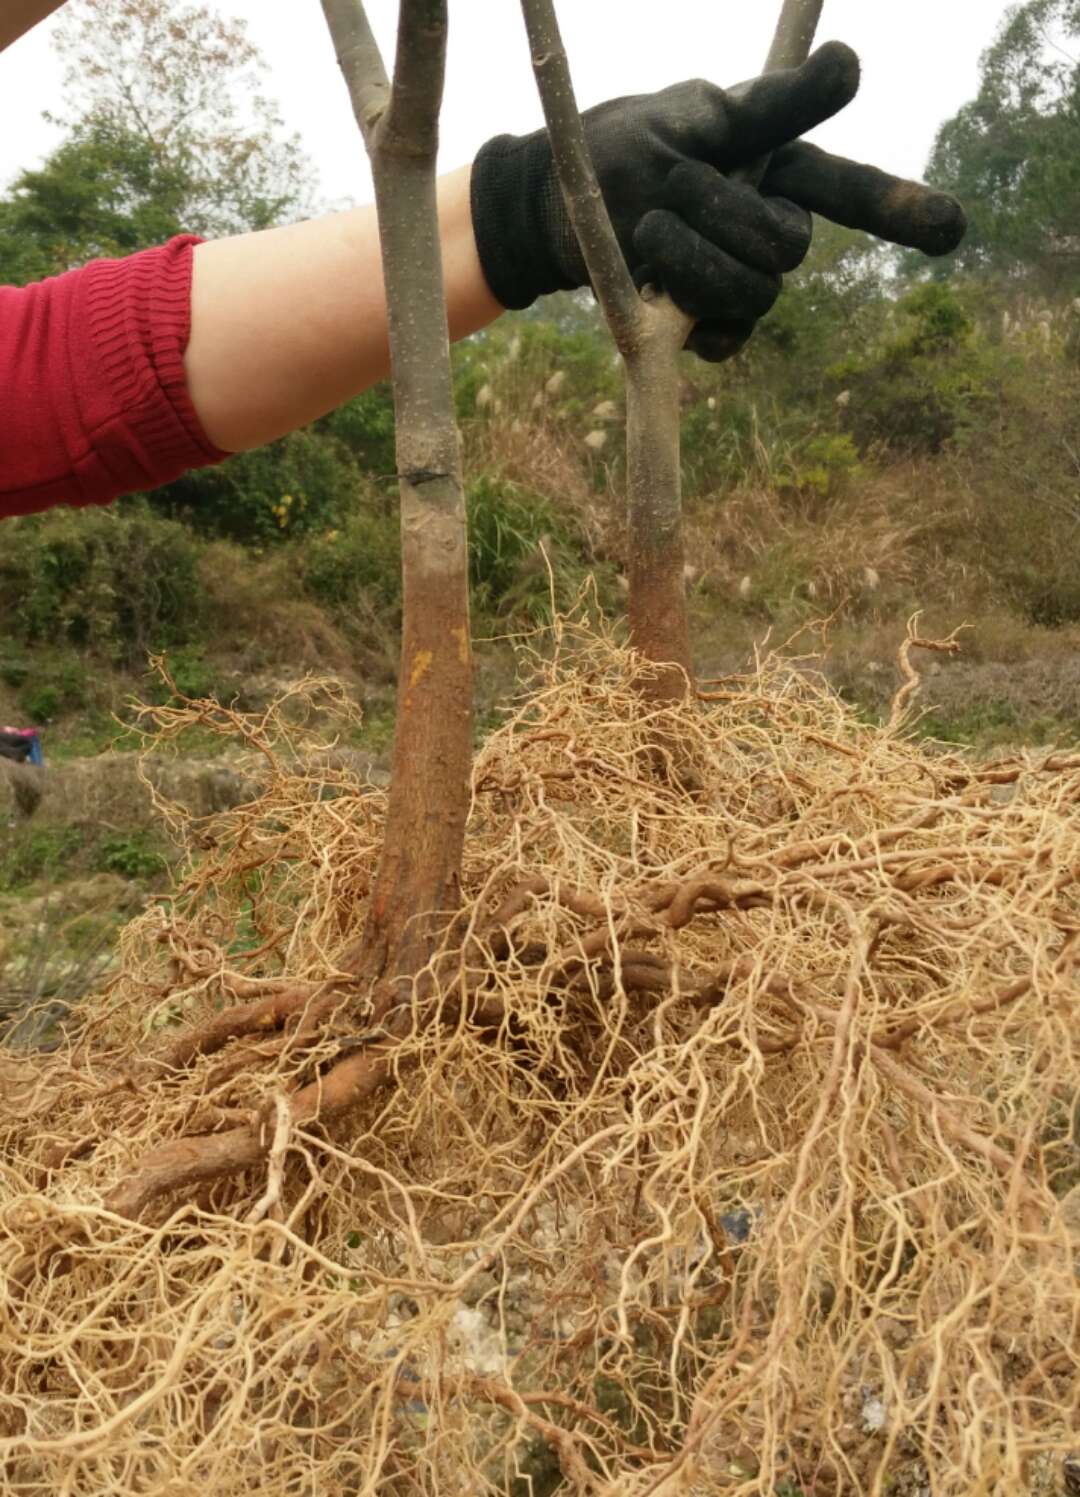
936,223
653,235
716,342
837,72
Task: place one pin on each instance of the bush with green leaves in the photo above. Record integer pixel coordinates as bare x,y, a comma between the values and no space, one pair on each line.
302,484
32,852
364,427
822,465
132,854
120,581
924,384
354,568
561,369
57,685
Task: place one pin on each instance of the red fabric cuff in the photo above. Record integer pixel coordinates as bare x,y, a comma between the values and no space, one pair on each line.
93,401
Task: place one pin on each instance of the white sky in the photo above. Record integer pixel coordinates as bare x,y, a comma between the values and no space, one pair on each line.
919,58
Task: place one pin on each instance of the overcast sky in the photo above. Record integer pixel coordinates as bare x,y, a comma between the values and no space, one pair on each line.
920,62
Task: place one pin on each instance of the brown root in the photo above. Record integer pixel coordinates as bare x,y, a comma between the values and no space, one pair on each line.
728,1140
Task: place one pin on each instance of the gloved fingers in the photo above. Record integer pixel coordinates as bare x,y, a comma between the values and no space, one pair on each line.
769,111
716,341
862,197
702,279
771,234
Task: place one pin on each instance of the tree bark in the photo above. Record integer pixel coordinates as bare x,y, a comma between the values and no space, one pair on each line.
656,562
419,872
648,334
795,33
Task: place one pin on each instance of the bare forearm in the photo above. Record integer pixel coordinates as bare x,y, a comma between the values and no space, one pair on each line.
289,323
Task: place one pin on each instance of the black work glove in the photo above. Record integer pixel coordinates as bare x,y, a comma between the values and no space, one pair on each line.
717,247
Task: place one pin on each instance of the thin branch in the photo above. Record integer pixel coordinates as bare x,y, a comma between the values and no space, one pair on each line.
794,34
360,62
412,120
612,282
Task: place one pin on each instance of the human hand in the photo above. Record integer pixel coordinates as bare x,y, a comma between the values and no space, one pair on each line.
717,246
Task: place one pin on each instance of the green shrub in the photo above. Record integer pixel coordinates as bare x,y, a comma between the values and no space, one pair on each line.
365,428
924,384
30,853
517,357
130,854
355,568
41,703
14,667
192,674
296,486
120,581
516,541
56,687
822,465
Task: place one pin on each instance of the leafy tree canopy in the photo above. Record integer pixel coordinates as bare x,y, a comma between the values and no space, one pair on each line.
1013,154
188,82
104,191
168,130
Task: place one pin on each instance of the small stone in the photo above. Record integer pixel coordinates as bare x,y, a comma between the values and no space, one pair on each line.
874,1416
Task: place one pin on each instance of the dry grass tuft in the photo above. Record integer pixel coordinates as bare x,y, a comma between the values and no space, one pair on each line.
731,1145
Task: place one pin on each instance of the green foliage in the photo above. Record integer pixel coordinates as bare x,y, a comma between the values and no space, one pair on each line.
120,581
103,192
188,84
30,853
510,533
365,429
58,687
525,553
132,854
519,355
823,465
355,568
1012,154
192,674
167,133
15,666
1025,470
923,383
303,483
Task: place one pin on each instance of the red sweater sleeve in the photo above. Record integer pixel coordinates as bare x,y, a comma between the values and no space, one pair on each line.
93,401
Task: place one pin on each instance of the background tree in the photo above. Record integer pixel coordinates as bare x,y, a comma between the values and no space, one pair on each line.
105,191
187,83
1013,154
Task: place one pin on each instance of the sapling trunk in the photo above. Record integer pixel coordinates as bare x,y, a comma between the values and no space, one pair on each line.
649,332
656,561
419,871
